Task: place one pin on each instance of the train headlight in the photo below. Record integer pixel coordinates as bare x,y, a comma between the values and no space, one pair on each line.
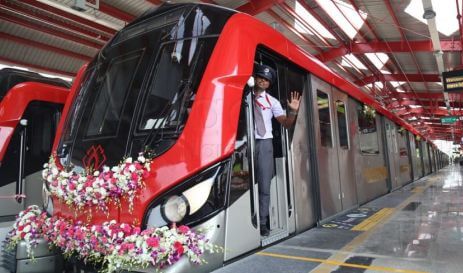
194,200
175,208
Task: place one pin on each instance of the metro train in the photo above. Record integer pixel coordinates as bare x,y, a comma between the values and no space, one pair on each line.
30,108
173,84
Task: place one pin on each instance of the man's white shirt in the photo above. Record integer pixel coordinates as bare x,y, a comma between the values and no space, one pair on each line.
270,107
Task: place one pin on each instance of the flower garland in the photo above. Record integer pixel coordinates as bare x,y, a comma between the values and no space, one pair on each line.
115,245
27,227
97,188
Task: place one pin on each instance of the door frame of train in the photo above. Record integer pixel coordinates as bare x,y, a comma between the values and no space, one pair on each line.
247,228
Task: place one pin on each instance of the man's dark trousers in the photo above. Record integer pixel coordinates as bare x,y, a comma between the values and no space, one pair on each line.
264,174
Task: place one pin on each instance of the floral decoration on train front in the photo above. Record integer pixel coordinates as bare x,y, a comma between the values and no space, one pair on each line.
113,245
97,187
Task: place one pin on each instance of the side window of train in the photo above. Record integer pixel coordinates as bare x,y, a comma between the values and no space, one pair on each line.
295,81
42,120
324,119
368,138
10,163
342,125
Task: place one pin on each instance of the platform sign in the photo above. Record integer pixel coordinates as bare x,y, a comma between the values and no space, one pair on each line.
448,120
453,81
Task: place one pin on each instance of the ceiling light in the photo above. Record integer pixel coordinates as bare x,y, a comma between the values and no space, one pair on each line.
429,14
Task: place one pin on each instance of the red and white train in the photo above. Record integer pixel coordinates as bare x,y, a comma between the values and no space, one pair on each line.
173,82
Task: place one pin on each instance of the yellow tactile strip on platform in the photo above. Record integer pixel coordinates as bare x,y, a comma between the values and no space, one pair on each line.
373,220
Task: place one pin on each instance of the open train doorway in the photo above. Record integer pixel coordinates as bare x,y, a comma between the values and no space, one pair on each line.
243,224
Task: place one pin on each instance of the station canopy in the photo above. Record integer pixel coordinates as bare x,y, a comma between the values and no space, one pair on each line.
395,51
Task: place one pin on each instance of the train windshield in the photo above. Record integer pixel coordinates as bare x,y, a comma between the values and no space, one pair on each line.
138,91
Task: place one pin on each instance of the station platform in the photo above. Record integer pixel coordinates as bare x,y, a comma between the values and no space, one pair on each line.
415,229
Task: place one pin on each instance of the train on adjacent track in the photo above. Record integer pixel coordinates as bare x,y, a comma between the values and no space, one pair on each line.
30,109
173,84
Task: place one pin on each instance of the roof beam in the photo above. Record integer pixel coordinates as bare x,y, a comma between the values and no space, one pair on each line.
39,67
70,16
388,47
116,13
399,78
254,7
48,30
39,15
43,46
156,2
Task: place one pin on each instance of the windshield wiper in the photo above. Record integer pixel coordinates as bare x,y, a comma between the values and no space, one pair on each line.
154,130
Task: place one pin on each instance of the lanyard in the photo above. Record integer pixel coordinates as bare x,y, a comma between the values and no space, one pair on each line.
261,105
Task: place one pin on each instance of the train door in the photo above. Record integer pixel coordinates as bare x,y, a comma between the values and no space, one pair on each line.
337,187
404,162
28,150
392,154
242,232
425,157
343,110
418,159
242,220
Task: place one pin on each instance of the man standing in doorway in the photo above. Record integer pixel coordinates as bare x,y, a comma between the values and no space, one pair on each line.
266,107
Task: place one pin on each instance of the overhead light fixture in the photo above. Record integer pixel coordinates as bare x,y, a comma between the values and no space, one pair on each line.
429,14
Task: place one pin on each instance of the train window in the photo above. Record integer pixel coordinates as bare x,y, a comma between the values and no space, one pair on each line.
42,121
10,164
115,86
368,132
342,125
175,82
324,118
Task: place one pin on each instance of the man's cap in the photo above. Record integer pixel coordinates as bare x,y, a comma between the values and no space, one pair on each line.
265,71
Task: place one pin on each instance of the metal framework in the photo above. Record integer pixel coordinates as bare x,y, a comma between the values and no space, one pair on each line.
407,84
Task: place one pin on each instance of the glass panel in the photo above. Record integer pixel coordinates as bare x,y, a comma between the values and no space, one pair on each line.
240,179
175,82
342,125
107,107
324,118
42,120
368,132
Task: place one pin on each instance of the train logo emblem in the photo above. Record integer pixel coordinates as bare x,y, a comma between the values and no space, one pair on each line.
94,158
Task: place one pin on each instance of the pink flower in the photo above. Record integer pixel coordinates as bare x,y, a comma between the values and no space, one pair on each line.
127,229
178,247
152,242
183,229
134,176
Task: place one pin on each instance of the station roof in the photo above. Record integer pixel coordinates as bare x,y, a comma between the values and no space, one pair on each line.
395,51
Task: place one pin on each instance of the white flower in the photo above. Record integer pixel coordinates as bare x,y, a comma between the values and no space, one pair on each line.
96,173
27,228
141,159
128,160
132,168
